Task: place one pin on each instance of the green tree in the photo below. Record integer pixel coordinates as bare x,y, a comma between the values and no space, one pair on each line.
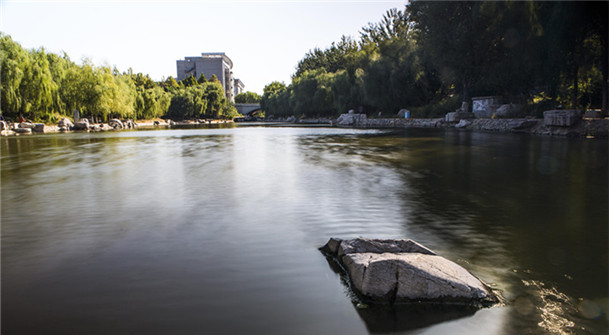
228,111
214,93
190,81
189,102
70,93
38,88
142,80
458,37
13,64
170,84
393,25
312,93
517,49
276,99
121,97
180,105
574,49
247,98
335,58
59,67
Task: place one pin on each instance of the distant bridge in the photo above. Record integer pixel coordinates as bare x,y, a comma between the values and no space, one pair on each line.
247,109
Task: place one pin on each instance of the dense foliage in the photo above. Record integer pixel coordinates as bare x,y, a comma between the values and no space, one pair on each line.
45,87
247,98
431,55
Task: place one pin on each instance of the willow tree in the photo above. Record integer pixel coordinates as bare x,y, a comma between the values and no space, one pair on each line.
214,95
13,62
37,88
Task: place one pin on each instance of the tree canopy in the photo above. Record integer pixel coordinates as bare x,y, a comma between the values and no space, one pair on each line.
430,54
45,87
247,98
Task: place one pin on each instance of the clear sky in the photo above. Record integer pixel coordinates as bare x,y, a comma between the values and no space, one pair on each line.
264,39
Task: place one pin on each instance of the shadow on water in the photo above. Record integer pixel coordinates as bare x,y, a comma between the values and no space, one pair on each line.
526,214
400,318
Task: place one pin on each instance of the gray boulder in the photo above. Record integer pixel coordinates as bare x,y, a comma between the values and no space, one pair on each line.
593,114
38,127
561,118
351,119
395,271
507,110
26,124
65,124
463,124
458,116
82,124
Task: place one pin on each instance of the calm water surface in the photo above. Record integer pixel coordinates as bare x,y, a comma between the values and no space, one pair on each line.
215,231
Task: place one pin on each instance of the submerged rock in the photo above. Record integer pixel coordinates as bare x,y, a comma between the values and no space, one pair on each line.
394,271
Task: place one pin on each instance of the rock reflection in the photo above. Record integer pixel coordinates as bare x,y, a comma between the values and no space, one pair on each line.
399,318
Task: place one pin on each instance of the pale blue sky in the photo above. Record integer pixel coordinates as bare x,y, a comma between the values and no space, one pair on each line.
265,39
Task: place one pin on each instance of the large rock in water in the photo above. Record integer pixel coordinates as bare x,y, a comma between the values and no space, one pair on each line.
390,271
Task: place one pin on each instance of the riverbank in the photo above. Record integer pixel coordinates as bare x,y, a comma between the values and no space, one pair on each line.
592,128
39,128
598,128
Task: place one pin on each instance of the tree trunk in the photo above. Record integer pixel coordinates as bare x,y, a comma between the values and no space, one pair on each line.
604,34
605,88
465,92
605,70
575,88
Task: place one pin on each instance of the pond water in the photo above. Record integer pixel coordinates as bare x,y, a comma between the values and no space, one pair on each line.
215,231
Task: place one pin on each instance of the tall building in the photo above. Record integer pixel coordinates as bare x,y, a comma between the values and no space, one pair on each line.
211,63
239,86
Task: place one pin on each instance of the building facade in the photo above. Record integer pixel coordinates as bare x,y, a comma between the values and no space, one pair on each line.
211,63
239,86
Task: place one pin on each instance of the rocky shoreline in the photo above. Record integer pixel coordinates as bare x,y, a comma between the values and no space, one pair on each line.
28,128
590,128
597,128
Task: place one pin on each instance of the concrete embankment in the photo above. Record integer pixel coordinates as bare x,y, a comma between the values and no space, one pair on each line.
584,128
